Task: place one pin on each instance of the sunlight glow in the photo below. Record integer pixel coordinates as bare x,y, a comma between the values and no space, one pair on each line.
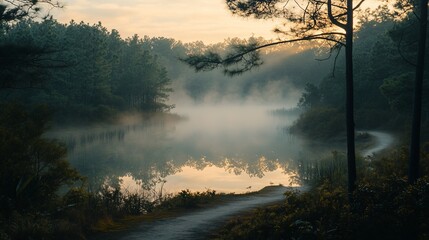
186,20
216,178
213,178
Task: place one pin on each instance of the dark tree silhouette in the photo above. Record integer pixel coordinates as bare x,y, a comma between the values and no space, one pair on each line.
414,158
13,10
19,57
325,21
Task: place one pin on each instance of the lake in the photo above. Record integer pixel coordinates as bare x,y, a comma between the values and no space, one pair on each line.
227,148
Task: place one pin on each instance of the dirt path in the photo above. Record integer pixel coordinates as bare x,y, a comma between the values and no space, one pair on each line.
383,141
198,224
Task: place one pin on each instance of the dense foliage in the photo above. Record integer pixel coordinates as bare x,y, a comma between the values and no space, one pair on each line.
34,175
384,205
81,71
384,73
43,197
87,73
11,10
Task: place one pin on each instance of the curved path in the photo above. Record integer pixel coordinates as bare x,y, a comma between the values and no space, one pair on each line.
383,141
197,225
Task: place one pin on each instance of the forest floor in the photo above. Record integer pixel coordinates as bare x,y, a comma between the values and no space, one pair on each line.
199,223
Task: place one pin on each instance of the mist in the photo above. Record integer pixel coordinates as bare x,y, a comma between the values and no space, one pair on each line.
280,80
100,133
221,134
237,146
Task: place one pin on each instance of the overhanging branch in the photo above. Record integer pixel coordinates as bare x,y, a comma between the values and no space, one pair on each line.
211,60
332,18
322,36
345,13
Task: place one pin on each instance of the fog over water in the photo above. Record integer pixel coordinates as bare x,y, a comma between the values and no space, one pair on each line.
228,148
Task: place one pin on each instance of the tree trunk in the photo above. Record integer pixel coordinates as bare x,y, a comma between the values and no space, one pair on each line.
414,160
350,126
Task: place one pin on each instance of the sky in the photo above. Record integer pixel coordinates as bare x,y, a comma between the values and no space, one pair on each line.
187,20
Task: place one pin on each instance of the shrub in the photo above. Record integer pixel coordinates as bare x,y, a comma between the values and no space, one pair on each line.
319,123
383,206
188,199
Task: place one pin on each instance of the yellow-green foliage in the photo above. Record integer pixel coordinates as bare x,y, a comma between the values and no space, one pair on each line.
384,206
302,216
332,168
385,210
188,199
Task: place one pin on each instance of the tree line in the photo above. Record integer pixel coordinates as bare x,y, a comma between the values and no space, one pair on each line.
86,72
383,84
82,71
330,23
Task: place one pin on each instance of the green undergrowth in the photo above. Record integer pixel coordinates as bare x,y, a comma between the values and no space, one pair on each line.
115,212
85,215
184,202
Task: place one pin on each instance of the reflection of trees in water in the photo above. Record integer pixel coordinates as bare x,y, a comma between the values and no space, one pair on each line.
239,165
84,137
198,163
332,166
104,154
149,152
148,166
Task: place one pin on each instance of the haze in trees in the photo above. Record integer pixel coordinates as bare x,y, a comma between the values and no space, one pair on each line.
91,77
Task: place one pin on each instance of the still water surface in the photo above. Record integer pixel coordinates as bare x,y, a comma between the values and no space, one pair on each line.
236,148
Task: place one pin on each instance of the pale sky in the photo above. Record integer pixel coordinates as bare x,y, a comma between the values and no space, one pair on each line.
185,20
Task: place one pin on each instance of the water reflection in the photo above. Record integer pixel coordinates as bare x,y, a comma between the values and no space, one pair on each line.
226,148
214,177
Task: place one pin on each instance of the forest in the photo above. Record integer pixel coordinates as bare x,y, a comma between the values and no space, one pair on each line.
48,63
383,84
54,75
107,74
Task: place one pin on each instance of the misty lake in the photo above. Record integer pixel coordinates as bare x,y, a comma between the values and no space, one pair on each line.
235,148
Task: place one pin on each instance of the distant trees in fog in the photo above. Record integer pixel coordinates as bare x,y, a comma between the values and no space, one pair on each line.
332,23
81,70
326,22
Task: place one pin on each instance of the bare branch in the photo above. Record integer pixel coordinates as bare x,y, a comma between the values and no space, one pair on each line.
14,10
335,60
345,13
332,18
305,38
358,5
332,4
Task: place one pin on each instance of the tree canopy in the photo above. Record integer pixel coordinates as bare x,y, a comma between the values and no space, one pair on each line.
90,79
15,10
326,21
